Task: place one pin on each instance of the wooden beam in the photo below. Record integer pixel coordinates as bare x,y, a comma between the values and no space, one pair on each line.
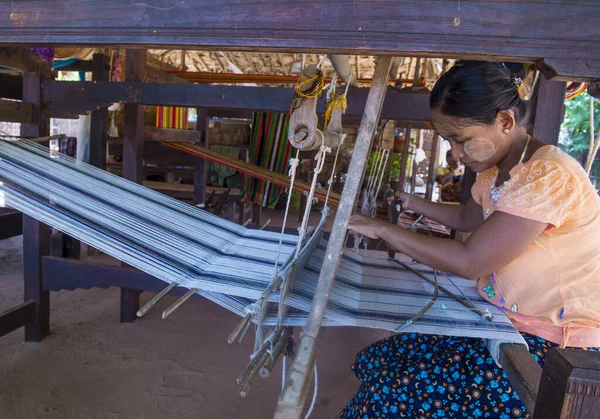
522,371
11,224
570,385
13,111
23,59
491,29
11,86
549,110
133,152
171,135
79,97
16,317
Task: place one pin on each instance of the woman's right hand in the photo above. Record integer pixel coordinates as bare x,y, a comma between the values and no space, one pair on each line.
406,200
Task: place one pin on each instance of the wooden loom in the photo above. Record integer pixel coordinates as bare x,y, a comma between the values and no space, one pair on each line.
477,29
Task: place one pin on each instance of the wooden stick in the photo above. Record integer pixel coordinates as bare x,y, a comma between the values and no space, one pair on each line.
179,302
487,316
155,299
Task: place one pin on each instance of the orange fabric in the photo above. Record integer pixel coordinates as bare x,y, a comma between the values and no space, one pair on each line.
553,289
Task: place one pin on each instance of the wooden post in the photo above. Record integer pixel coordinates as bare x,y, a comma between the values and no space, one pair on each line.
36,236
98,139
433,157
201,164
99,118
549,110
290,404
133,151
404,162
415,165
570,385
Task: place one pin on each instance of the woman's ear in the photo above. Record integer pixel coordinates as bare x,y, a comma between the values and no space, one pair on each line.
505,121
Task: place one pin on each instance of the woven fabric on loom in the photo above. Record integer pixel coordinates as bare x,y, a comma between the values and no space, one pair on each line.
270,149
227,263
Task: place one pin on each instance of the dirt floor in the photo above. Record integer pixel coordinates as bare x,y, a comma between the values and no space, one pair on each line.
91,366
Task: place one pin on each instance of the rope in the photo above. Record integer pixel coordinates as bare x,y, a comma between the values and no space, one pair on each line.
338,101
320,158
308,89
293,165
316,392
330,181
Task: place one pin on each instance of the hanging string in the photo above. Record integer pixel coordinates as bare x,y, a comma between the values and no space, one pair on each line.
310,88
292,173
320,158
330,181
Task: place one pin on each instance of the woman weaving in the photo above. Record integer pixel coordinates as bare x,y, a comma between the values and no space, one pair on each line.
534,219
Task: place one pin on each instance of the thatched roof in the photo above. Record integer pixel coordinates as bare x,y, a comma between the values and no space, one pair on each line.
262,63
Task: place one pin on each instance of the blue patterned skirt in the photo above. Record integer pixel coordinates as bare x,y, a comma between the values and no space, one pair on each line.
420,376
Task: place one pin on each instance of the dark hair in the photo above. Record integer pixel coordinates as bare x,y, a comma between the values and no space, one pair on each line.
477,90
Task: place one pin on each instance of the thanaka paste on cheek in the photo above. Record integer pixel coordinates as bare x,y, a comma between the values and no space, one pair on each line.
479,149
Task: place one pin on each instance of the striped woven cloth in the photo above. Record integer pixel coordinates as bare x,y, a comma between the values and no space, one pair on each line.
228,264
269,149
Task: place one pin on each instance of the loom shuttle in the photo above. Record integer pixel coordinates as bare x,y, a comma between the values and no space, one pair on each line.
155,299
179,302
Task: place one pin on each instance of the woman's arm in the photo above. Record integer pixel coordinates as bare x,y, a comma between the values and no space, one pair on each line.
458,217
496,243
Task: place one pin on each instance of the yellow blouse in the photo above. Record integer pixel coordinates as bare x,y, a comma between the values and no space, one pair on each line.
552,290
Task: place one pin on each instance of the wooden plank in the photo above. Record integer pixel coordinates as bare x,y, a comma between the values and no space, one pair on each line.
522,371
490,29
152,134
570,385
23,59
133,151
12,111
66,274
11,86
11,224
201,165
16,317
78,97
549,110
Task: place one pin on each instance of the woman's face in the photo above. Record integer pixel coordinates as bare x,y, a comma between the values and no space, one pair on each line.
478,147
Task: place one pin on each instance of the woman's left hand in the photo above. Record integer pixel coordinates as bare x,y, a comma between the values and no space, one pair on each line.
367,226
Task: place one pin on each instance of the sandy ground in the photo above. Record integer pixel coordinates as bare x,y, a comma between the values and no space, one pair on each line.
91,366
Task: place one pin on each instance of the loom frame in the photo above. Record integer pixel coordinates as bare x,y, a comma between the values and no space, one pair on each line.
475,30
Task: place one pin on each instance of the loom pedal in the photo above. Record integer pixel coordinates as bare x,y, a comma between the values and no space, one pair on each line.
156,299
179,302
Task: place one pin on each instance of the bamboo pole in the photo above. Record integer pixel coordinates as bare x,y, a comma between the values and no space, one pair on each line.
291,401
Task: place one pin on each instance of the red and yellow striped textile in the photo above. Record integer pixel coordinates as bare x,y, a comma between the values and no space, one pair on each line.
172,117
283,181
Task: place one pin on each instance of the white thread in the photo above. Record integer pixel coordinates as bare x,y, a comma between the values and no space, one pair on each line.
292,173
316,392
337,153
320,158
283,373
